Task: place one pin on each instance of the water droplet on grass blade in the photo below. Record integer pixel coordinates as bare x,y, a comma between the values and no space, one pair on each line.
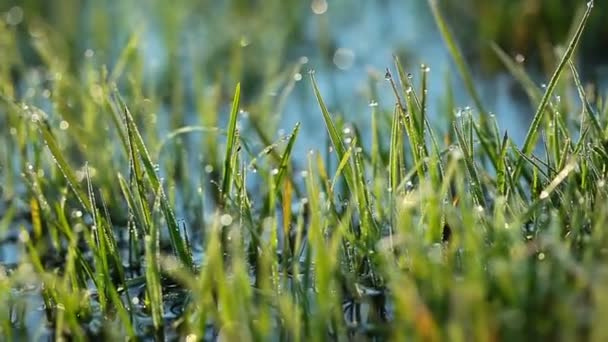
388,75
225,220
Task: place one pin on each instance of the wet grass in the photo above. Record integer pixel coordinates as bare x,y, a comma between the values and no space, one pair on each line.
441,229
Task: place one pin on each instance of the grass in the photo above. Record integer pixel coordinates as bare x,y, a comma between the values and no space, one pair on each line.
441,229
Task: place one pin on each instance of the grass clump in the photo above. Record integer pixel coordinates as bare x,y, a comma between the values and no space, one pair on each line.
410,237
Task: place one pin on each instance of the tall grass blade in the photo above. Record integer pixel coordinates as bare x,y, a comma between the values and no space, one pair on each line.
230,144
530,140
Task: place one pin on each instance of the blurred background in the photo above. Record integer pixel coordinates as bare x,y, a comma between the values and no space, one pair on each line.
183,48
177,62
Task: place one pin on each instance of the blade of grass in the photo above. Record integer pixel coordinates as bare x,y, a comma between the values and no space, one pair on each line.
530,140
231,140
177,242
456,54
285,159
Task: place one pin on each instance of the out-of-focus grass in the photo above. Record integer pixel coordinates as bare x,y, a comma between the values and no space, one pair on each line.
529,28
151,209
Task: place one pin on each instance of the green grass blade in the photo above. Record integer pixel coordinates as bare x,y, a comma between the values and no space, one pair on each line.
179,247
530,139
587,109
230,144
334,135
285,159
64,167
456,54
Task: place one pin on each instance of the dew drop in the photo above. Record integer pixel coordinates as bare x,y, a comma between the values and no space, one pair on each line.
388,75
225,220
409,185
